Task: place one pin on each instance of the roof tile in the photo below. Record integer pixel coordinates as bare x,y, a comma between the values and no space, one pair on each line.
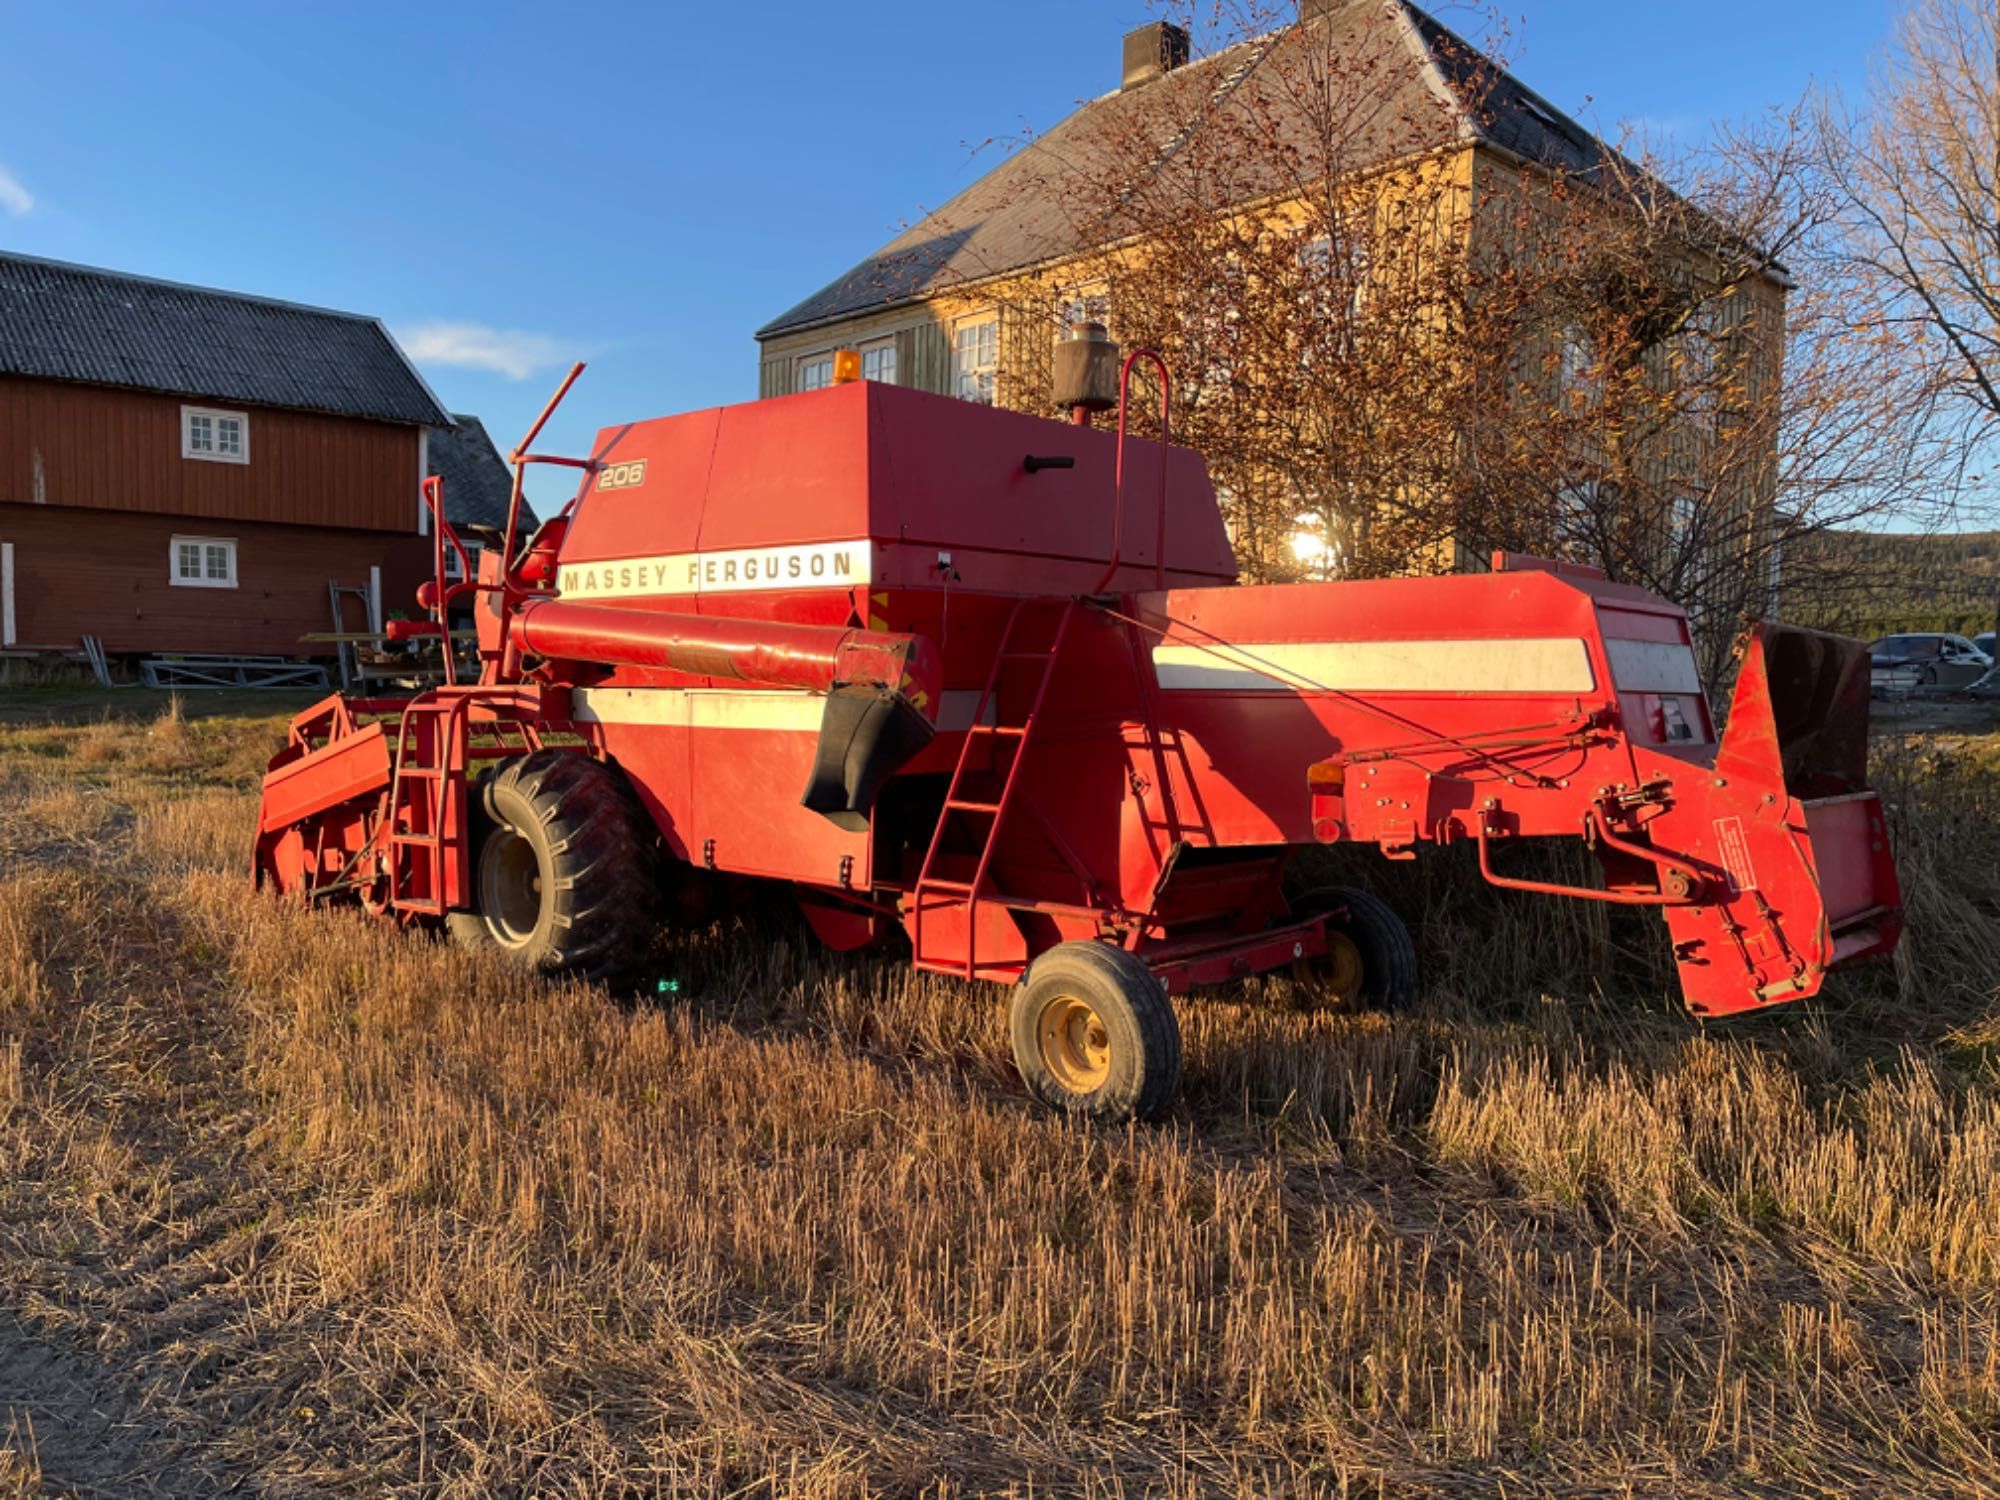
68,322
1010,218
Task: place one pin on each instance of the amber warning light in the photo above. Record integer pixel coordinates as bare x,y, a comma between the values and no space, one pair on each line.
1327,781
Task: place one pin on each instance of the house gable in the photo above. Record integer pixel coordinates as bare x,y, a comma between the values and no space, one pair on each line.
1435,91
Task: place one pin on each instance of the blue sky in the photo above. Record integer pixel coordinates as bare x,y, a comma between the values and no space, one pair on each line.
513,186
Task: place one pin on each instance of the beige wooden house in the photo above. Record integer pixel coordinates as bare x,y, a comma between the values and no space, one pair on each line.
970,301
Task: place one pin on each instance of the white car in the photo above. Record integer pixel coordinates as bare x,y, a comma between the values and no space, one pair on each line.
1926,660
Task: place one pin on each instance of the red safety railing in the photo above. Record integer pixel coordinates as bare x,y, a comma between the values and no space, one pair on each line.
511,589
1166,437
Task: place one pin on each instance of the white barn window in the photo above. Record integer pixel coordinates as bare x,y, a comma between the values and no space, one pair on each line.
816,373
218,436
202,562
453,572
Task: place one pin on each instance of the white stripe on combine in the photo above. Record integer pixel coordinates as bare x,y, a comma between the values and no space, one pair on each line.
736,708
1518,665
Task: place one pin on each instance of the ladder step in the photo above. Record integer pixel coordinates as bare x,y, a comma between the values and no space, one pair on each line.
959,805
1026,656
950,887
1014,731
990,898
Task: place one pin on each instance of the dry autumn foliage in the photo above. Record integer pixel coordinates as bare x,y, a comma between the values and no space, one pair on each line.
1399,357
303,1204
1918,169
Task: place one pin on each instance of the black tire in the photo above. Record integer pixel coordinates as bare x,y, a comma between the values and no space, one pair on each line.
562,872
1094,1034
1388,957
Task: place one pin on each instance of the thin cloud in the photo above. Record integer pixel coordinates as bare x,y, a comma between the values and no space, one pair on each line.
474,346
14,197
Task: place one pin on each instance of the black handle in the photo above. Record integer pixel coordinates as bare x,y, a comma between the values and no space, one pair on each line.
1036,462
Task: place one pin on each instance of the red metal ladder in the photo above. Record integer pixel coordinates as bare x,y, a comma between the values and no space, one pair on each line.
425,801
931,891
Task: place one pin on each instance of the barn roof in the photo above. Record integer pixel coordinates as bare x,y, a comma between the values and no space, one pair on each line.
67,322
1428,88
477,482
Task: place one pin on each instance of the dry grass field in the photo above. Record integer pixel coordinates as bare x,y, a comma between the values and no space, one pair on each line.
294,1204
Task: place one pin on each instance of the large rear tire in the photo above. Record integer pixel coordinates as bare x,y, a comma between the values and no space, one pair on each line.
1094,1034
562,873
1370,962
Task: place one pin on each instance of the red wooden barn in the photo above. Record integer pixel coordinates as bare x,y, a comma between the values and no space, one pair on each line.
187,470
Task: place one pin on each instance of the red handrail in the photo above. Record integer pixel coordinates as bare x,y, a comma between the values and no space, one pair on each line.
521,458
441,532
1166,430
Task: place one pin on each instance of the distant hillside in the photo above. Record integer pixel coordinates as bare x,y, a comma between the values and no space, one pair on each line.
1869,583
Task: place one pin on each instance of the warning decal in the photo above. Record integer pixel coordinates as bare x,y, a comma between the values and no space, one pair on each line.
1735,854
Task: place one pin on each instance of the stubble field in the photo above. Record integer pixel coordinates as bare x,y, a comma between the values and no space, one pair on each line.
296,1204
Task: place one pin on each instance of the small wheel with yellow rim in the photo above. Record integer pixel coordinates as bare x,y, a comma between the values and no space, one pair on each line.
1370,961
1094,1034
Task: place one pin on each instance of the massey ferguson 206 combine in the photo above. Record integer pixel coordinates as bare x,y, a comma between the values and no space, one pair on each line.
987,680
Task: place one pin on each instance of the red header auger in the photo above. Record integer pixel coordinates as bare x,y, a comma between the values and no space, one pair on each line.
925,662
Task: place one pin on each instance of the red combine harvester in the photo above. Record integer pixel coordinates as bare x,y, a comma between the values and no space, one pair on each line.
1042,732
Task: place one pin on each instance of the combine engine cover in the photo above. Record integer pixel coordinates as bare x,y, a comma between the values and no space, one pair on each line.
715,559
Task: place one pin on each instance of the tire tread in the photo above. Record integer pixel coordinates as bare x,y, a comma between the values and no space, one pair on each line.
603,862
1150,1013
1390,984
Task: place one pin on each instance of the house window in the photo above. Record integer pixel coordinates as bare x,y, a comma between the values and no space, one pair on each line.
1084,307
1335,275
1579,367
878,363
1579,520
221,437
202,562
975,360
1696,369
1682,518
453,573
816,372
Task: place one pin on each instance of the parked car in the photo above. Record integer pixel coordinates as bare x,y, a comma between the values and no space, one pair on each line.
1922,660
1984,641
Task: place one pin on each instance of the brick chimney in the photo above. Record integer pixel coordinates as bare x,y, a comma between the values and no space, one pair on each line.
1153,51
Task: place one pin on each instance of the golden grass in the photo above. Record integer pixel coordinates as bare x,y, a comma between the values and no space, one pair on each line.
20,1475
340,1210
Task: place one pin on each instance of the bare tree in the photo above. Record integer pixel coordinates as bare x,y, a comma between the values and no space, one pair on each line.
1920,172
1643,363
1287,224
1693,397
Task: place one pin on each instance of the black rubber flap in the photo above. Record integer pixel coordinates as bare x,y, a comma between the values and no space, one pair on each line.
866,735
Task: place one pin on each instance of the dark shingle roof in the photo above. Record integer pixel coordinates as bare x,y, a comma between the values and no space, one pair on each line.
1421,78
477,481
65,322
1504,111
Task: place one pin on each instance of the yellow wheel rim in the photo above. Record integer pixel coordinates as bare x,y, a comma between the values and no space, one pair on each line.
1339,969
1075,1047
